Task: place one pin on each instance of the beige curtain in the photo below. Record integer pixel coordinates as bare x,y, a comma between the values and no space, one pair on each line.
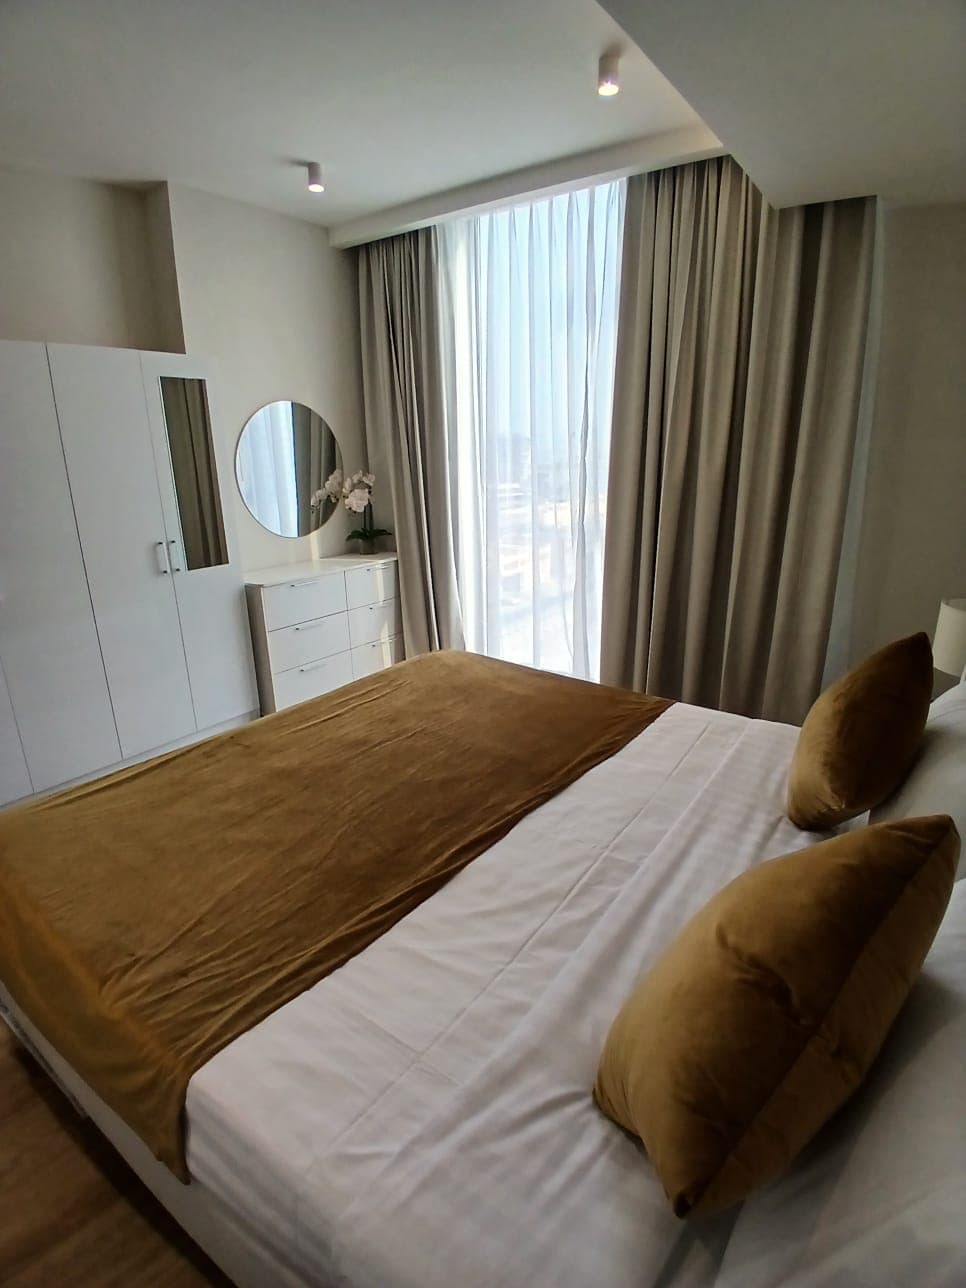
739,367
307,472
402,378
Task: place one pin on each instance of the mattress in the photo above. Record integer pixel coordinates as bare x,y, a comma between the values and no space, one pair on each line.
422,1117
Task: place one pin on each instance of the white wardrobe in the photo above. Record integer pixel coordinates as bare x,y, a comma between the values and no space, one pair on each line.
123,627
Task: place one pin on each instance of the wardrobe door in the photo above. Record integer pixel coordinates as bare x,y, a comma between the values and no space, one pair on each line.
48,642
107,444
14,778
193,471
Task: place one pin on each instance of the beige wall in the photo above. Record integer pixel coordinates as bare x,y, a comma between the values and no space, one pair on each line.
73,263
262,295
912,551
276,307
159,245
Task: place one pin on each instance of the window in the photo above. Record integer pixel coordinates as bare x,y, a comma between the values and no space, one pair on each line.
530,299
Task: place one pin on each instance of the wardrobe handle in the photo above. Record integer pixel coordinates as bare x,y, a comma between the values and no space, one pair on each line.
161,557
173,546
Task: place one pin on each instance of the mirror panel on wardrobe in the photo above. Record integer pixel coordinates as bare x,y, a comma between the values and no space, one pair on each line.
188,425
193,458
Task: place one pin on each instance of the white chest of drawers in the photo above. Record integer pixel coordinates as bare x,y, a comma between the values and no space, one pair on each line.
319,625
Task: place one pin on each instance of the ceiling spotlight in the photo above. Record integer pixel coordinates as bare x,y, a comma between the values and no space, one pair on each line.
315,183
608,75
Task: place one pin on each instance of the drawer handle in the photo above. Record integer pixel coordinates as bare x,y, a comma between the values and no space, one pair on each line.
310,626
311,581
314,666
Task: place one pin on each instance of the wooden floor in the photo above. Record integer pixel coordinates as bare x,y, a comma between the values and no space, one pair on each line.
71,1211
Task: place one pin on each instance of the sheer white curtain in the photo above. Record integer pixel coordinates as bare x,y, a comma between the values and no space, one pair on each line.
265,468
530,300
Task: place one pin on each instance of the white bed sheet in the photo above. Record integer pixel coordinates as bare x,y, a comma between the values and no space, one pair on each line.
878,1200
422,1117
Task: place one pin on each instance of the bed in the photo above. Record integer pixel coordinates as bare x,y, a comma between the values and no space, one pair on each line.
421,1116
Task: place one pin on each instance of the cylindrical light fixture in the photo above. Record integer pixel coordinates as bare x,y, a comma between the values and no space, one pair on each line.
315,183
608,75
949,640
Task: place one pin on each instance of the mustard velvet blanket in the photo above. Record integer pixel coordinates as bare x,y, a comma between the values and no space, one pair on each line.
149,918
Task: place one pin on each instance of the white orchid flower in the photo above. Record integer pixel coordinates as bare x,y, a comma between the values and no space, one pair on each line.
357,500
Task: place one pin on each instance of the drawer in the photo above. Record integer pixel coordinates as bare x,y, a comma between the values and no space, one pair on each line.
308,642
303,601
371,585
375,622
367,659
311,680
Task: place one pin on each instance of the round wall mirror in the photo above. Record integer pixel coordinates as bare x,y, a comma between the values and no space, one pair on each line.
285,453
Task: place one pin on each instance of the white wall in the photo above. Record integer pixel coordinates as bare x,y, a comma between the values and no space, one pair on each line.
276,307
912,551
73,263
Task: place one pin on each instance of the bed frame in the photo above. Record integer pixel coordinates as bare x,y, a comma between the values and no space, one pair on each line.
202,1215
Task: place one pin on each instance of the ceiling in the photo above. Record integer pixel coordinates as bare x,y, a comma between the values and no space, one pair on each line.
397,98
824,98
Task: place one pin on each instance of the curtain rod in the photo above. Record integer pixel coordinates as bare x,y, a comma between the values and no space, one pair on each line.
655,152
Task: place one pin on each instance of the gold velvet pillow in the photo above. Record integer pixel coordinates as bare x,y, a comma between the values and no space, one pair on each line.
860,737
769,1007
